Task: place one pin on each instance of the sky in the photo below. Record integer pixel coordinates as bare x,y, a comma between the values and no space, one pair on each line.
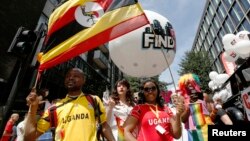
184,15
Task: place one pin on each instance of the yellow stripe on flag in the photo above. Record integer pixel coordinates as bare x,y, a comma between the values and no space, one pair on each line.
107,21
61,10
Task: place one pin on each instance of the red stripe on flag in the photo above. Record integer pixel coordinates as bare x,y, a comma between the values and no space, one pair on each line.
95,41
62,21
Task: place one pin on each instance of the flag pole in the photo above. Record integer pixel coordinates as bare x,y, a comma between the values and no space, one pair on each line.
169,68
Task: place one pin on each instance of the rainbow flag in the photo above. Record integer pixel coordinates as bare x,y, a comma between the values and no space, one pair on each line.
200,121
200,134
120,129
196,112
78,26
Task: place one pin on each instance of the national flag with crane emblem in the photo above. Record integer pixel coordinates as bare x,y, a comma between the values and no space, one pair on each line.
78,26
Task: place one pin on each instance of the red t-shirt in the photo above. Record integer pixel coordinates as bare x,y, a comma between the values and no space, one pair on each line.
8,129
148,121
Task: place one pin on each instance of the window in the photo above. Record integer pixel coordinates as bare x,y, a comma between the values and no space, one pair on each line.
212,32
202,34
221,34
222,12
200,41
246,25
228,3
212,51
216,23
198,47
211,11
228,26
217,44
245,4
216,2
209,39
236,14
207,19
205,27
218,66
206,45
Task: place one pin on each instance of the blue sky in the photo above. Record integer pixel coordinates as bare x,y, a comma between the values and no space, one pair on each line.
184,15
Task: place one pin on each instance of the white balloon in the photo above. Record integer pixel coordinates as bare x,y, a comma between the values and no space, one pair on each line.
212,75
141,54
243,47
222,78
242,35
229,40
211,84
231,56
216,96
223,94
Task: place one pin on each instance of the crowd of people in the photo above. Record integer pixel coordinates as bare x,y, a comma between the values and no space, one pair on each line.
81,117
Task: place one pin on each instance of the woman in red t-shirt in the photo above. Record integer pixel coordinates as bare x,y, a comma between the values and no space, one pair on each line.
7,133
155,120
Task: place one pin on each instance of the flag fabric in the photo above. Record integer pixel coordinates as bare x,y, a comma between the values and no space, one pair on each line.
196,112
78,26
120,129
200,121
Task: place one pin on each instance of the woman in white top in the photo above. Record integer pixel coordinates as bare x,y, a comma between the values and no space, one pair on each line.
120,104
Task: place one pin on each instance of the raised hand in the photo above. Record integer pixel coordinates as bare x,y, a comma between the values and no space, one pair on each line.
180,105
33,99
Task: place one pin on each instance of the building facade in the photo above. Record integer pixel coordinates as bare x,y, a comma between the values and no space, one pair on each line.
221,17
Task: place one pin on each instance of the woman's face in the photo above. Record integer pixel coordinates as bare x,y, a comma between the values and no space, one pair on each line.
150,92
121,89
174,99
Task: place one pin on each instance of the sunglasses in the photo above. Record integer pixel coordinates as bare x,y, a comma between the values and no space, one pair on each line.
148,89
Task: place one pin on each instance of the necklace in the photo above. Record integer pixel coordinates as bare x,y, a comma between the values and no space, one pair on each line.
156,111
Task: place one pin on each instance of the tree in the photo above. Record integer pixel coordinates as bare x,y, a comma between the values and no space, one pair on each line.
198,63
135,83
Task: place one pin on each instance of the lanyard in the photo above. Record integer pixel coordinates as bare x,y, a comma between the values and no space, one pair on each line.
156,111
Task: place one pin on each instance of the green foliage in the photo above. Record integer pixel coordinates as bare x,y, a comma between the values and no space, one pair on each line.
135,83
198,63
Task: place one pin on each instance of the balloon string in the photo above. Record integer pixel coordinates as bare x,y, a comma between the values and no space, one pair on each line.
165,59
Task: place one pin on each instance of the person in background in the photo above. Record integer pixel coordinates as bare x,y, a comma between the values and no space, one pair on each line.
14,133
118,107
8,130
221,117
196,116
174,102
155,120
208,101
75,115
20,129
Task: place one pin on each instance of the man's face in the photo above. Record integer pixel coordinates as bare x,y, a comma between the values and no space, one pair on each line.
74,80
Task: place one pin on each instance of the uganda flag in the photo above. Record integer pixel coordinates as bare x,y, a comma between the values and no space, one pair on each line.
78,26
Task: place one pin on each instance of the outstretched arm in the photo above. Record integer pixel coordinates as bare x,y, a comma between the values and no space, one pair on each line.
106,130
176,120
129,126
109,109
